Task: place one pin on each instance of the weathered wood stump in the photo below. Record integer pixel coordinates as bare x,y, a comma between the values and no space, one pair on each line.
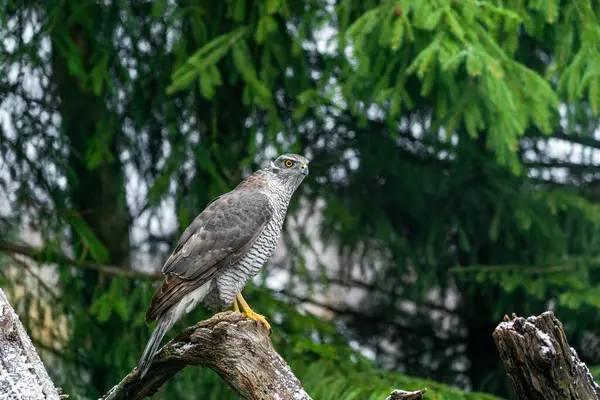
22,374
540,363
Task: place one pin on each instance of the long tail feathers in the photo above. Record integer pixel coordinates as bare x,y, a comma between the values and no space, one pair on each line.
163,324
166,320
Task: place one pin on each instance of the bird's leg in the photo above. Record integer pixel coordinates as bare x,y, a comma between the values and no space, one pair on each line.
248,313
236,308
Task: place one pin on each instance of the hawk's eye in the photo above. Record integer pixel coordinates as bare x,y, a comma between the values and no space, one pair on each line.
289,163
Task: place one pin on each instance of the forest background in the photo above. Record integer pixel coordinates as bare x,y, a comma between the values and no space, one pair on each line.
454,178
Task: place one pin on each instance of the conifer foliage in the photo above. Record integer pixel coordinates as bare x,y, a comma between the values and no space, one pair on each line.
454,173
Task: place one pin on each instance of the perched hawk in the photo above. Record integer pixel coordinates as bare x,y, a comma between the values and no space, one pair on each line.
225,246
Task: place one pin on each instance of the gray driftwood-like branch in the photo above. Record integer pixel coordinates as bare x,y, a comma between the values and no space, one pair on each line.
540,363
22,374
238,349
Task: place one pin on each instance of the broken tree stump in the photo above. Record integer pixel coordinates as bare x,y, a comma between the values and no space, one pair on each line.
539,361
22,374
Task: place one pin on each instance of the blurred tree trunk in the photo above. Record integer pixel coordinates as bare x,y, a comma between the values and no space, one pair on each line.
478,322
96,183
477,310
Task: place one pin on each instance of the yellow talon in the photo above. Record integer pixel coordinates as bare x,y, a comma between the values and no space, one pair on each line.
250,314
236,308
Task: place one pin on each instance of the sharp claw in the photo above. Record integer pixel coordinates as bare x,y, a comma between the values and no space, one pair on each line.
259,318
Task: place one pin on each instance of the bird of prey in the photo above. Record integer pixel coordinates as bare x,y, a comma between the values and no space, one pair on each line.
225,246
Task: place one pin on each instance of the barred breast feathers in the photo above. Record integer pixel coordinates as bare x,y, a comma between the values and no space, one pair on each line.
225,245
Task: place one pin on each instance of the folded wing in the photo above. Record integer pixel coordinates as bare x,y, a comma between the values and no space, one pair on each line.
217,238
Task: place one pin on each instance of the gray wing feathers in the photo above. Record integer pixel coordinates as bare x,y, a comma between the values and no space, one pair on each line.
219,236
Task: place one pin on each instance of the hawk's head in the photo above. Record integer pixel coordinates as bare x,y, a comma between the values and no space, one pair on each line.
290,168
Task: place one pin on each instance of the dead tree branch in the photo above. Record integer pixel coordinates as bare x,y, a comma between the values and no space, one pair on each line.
539,361
238,349
22,374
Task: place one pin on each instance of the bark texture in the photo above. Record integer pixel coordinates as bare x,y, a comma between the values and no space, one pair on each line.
22,374
539,361
238,349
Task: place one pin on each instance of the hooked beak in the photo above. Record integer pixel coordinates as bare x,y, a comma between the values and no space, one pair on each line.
304,169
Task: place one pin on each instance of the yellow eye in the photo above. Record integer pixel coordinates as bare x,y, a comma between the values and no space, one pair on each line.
289,163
